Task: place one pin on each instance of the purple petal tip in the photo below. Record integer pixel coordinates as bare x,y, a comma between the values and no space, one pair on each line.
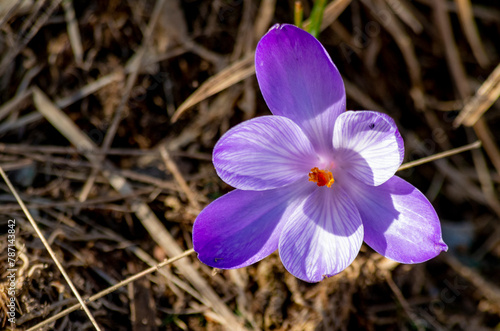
441,246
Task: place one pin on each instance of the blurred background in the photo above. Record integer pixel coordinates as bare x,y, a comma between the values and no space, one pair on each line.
109,111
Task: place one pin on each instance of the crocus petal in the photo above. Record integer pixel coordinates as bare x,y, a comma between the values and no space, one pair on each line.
299,80
263,153
322,237
243,227
400,223
368,145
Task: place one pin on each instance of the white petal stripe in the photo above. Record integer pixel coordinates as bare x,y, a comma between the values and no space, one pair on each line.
323,237
263,153
368,145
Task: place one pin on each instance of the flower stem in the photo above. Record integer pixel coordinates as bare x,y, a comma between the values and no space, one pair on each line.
317,17
298,14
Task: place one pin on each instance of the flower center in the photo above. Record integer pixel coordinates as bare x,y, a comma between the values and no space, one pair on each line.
321,177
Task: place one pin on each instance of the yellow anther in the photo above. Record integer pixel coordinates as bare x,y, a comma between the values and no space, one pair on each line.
321,177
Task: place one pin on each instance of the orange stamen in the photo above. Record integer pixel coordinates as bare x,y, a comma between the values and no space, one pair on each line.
321,177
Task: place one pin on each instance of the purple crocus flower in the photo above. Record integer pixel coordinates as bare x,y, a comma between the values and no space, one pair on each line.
313,180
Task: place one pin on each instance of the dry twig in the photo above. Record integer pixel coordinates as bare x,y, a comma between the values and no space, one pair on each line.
110,289
49,249
485,96
147,217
